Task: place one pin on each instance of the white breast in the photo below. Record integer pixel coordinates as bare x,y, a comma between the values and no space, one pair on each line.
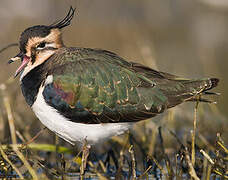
71,131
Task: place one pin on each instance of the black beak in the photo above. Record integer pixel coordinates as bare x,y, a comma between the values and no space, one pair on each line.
17,57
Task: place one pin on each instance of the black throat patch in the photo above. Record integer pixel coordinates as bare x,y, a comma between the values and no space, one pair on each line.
31,83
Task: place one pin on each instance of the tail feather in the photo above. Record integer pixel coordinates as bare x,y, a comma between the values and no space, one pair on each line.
191,90
209,84
211,93
200,99
195,87
212,82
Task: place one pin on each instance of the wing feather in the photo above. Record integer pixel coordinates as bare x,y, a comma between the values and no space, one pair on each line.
96,86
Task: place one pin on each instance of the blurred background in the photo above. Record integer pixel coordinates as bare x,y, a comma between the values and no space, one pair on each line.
186,38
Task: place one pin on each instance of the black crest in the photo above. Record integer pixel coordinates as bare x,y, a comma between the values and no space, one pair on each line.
42,30
64,22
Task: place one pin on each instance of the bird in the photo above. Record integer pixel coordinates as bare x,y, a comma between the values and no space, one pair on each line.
94,94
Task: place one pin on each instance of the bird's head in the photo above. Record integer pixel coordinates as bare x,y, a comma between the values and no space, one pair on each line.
38,43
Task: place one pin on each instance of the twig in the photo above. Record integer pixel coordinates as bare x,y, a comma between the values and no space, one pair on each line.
158,165
27,165
121,161
102,166
101,177
142,175
167,161
205,164
2,124
11,164
121,158
222,146
207,156
19,135
178,140
131,151
192,171
37,135
193,133
9,113
209,172
8,46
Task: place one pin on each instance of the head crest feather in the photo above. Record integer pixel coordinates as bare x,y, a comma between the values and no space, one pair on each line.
65,21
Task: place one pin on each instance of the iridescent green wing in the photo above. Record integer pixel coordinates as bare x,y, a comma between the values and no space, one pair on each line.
95,86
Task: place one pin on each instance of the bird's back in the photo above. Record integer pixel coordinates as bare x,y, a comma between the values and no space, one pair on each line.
96,86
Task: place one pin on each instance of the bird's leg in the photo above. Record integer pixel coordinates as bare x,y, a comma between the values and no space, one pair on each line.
85,153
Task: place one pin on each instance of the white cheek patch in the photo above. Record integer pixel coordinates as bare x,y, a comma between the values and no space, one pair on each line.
40,58
51,45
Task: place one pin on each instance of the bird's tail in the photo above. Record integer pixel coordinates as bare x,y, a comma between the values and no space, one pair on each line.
202,88
189,90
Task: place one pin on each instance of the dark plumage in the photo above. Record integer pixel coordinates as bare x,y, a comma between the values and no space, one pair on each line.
92,94
96,86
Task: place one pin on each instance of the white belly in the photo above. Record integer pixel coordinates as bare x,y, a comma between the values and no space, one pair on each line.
71,131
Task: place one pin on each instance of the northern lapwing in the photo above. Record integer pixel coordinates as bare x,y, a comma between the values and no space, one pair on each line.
92,94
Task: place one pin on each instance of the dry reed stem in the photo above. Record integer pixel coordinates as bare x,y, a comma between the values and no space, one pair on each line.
121,158
217,172
120,161
192,171
158,165
205,163
104,169
19,135
209,172
13,131
37,135
193,133
2,127
85,154
207,156
177,174
11,164
222,146
26,163
145,172
101,177
131,151
167,161
6,102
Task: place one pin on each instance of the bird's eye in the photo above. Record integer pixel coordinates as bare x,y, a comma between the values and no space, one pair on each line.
41,45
